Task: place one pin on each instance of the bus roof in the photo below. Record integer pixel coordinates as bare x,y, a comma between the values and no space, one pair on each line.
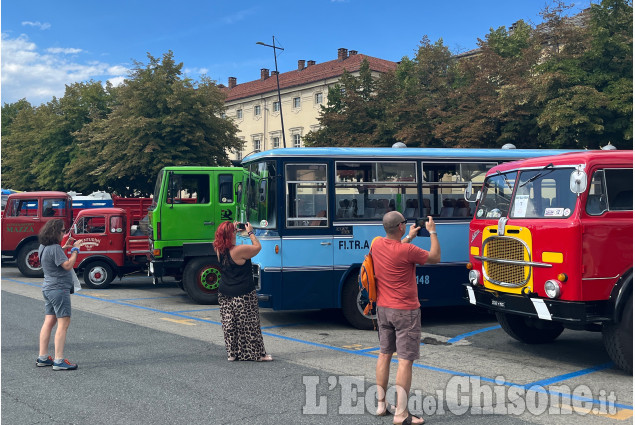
401,153
197,168
571,158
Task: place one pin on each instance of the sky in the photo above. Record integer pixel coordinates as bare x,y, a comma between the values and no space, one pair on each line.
49,44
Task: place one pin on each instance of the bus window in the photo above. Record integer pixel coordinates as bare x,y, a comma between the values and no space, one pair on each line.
306,194
368,190
443,187
260,195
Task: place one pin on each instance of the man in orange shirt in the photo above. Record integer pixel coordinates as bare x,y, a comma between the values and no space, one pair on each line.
398,308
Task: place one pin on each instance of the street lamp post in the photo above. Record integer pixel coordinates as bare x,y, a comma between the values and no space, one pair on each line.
275,59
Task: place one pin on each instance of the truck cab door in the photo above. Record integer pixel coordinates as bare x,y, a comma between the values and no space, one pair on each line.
187,213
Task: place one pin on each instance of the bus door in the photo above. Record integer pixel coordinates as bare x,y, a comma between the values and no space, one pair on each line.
307,247
186,211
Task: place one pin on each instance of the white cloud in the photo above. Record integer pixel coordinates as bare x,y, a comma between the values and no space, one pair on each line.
66,51
38,75
238,16
38,24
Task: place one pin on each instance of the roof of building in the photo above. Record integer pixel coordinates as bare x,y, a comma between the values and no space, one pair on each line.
309,74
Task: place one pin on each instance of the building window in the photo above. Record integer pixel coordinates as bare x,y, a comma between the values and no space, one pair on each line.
275,141
296,102
257,110
256,145
239,114
296,140
276,106
318,98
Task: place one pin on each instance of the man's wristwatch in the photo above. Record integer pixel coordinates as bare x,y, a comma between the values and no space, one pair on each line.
408,238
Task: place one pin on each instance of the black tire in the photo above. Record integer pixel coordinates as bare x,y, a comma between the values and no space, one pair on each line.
98,275
353,305
201,278
618,338
29,261
529,330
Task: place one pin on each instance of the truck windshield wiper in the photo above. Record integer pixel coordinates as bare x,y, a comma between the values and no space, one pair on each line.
543,172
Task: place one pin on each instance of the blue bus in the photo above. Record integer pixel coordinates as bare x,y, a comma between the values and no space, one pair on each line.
316,210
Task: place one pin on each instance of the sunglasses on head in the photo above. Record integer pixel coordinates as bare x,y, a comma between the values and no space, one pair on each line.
401,222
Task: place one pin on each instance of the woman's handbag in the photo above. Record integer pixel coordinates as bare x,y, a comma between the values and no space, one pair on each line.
76,285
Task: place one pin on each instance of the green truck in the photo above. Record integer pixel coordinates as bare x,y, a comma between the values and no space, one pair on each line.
188,205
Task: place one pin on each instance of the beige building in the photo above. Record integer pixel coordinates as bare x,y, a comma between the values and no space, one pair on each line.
256,111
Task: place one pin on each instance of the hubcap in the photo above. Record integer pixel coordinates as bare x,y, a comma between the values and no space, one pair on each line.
97,275
210,278
33,260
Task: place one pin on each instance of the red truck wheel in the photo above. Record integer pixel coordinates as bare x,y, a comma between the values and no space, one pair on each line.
201,278
529,330
618,338
29,261
98,275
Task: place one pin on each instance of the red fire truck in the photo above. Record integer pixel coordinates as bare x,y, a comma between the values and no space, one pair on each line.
551,247
113,243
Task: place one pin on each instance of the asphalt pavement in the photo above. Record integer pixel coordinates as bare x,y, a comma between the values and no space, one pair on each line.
130,374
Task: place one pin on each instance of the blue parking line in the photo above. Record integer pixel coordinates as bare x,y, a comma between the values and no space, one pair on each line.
283,326
148,298
560,378
202,309
533,387
465,335
366,350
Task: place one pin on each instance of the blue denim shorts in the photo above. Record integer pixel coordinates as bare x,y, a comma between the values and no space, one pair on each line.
57,302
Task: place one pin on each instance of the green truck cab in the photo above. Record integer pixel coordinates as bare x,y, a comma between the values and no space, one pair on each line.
188,205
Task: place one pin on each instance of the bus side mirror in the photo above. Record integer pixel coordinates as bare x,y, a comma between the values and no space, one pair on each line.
578,181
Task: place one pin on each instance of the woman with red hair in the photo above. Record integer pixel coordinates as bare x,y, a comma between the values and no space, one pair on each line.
237,295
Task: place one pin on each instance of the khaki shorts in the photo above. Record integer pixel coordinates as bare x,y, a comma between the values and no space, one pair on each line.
400,331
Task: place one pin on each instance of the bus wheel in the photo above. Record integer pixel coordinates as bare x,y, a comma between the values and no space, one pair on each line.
201,278
618,338
529,330
353,305
29,261
98,275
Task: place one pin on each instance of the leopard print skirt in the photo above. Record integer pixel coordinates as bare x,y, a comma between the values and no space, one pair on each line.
240,318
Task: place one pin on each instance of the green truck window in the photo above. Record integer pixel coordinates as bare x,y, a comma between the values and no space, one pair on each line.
225,188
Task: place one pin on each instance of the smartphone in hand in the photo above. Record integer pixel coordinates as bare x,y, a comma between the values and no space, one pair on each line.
240,226
421,222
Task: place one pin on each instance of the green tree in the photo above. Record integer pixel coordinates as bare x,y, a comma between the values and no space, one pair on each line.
38,143
584,84
160,118
354,114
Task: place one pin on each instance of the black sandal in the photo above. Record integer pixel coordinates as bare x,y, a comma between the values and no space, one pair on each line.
408,420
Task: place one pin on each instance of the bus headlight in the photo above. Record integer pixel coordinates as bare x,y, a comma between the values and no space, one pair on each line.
552,288
474,277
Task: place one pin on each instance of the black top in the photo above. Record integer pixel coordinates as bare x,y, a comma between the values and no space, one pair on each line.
235,280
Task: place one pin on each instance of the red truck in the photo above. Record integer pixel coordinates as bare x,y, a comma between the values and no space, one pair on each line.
551,247
27,212
23,217
113,242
